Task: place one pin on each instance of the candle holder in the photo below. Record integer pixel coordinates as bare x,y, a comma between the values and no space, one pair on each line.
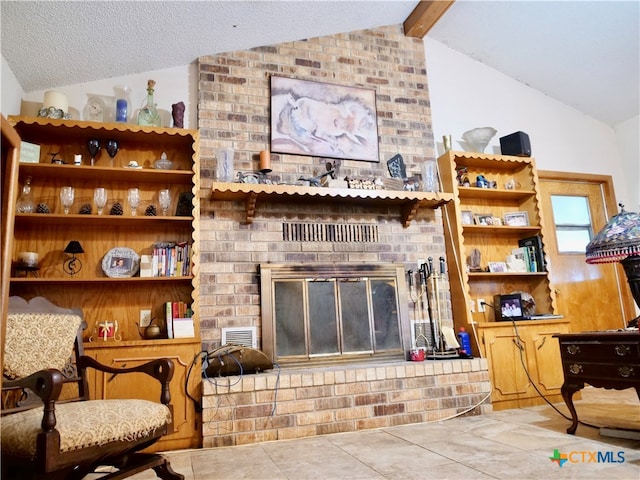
265,162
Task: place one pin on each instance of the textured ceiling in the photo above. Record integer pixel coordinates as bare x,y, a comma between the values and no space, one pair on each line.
584,54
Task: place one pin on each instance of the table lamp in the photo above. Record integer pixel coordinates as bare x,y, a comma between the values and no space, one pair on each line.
73,265
619,241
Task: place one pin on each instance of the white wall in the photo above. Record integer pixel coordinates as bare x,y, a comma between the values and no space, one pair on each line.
629,144
172,86
11,90
466,94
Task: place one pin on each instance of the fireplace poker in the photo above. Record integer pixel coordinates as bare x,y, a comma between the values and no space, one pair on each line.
416,298
425,274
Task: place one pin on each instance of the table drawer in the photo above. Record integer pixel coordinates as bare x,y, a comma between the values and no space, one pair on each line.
584,371
616,352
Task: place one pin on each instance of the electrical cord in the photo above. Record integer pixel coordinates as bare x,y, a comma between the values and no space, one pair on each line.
519,344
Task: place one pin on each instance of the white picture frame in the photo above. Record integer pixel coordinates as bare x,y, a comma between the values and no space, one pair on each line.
466,217
120,262
516,219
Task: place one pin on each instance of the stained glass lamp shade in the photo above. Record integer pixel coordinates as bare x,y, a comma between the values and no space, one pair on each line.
619,241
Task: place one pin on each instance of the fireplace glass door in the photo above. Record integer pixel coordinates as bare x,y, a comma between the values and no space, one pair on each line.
333,317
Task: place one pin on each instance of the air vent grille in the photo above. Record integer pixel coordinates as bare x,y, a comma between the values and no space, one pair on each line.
329,232
245,336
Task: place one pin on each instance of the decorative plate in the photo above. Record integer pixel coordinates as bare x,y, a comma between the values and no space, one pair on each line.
120,262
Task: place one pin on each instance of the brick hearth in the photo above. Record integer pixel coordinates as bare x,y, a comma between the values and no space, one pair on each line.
308,402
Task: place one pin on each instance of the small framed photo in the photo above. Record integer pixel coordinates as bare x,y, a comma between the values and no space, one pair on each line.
497,267
467,217
483,219
497,222
516,219
120,262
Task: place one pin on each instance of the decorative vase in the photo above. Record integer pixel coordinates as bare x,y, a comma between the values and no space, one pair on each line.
123,103
148,114
25,203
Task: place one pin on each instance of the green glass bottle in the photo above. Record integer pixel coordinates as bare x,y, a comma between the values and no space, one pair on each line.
148,114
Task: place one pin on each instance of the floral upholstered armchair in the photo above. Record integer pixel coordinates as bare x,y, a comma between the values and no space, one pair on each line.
50,428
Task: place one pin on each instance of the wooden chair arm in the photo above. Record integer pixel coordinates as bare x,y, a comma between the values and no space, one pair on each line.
161,369
46,384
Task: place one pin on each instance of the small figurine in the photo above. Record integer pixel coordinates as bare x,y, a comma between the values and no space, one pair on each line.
463,177
177,112
482,182
474,260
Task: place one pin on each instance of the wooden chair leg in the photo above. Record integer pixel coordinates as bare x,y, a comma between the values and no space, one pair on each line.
165,472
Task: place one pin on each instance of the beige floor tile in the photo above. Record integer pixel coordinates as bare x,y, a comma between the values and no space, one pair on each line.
503,445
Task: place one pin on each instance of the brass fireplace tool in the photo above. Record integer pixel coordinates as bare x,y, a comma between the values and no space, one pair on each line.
427,298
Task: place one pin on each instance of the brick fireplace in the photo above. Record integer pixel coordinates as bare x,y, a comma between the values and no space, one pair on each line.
234,112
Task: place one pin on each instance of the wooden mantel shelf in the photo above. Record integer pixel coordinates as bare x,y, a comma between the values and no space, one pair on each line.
408,202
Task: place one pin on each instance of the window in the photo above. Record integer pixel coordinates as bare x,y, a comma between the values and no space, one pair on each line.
311,316
572,219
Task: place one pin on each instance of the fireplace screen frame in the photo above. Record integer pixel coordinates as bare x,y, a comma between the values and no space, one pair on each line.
302,276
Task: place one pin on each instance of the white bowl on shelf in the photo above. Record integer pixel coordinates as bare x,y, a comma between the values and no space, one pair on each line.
476,140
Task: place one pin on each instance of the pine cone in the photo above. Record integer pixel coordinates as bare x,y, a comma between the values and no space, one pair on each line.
151,211
43,208
85,209
116,209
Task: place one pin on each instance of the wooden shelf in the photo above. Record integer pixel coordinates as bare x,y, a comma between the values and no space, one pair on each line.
139,343
499,230
72,173
44,219
71,280
494,193
408,202
495,275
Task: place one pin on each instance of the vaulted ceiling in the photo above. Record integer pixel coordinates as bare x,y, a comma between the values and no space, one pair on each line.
585,54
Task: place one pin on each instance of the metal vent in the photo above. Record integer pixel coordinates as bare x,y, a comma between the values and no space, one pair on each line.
329,232
245,336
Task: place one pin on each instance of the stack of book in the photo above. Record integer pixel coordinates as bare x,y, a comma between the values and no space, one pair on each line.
171,259
178,316
530,252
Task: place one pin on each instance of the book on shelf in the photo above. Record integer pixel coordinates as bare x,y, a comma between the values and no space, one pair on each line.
521,262
171,259
179,320
534,244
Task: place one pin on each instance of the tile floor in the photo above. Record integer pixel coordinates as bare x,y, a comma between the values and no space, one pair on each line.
509,444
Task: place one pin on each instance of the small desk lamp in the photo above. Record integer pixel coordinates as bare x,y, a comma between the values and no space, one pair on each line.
73,265
619,241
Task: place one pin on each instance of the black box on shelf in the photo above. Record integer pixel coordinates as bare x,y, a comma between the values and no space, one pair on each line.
517,144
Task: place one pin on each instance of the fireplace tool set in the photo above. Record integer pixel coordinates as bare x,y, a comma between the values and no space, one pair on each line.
440,340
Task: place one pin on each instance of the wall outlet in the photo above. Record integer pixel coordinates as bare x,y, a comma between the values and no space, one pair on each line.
145,318
472,306
481,305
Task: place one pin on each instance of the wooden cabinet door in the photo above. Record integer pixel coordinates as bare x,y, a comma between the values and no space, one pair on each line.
105,386
504,353
546,365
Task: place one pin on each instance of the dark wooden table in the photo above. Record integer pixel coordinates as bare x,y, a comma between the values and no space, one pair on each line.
601,359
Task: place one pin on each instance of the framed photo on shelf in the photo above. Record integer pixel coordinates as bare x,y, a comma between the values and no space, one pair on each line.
467,217
483,219
516,219
120,262
497,267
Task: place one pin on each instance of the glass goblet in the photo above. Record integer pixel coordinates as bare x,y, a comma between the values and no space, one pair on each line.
100,198
164,197
94,148
112,149
134,200
67,195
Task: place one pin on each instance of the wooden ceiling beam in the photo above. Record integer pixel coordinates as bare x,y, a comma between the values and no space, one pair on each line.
425,16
